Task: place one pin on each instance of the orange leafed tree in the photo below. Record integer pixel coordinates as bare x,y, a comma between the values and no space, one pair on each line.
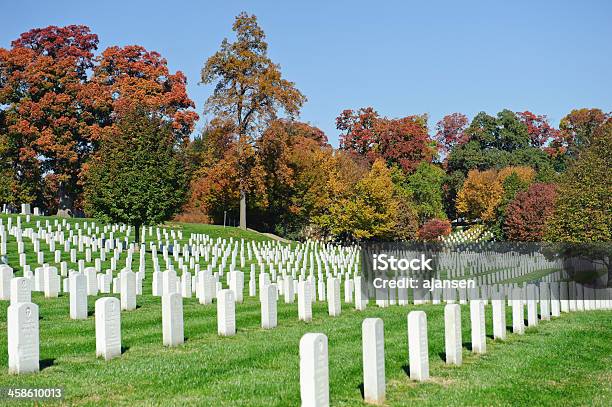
46,112
131,76
56,114
482,191
249,90
480,194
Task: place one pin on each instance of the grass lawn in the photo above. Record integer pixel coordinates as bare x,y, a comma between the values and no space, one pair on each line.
567,361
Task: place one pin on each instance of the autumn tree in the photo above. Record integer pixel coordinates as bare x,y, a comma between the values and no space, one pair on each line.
525,174
281,149
540,132
581,225
47,112
137,178
403,142
479,196
576,131
450,131
368,213
583,209
131,77
511,184
59,101
433,229
527,214
249,90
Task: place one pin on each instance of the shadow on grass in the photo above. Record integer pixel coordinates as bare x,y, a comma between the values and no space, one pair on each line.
442,356
406,369
467,345
124,349
45,363
361,388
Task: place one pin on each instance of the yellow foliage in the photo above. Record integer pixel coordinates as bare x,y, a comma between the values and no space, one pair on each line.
526,174
368,213
480,194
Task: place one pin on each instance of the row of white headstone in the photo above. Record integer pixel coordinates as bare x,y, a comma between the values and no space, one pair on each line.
23,328
23,319
314,358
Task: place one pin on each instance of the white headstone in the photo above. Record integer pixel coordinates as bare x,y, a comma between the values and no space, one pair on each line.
499,317
452,334
373,342
127,291
563,296
108,327
172,319
23,338
226,313
6,274
304,301
78,296
544,301
269,295
418,348
21,290
314,370
169,282
51,282
333,297
237,285
186,282
518,313
157,284
92,281
360,301
555,299
532,305
288,291
477,318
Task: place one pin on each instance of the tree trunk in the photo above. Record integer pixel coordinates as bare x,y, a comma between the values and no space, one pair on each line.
66,204
243,222
137,234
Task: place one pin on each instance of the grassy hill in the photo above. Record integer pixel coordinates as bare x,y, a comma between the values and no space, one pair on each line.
567,361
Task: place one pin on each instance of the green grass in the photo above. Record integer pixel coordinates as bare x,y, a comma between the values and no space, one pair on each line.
566,361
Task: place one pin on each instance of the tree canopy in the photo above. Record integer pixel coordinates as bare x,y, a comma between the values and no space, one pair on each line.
137,177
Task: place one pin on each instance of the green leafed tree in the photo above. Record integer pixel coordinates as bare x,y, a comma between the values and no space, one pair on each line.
137,177
426,187
582,220
583,209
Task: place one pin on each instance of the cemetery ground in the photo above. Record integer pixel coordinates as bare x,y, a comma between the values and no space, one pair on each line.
565,361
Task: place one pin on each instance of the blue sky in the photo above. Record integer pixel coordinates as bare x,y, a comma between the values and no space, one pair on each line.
404,57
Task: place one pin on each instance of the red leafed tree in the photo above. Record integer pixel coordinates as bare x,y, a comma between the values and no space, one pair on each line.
526,215
358,128
576,131
131,76
54,116
434,228
47,113
540,131
450,131
403,141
